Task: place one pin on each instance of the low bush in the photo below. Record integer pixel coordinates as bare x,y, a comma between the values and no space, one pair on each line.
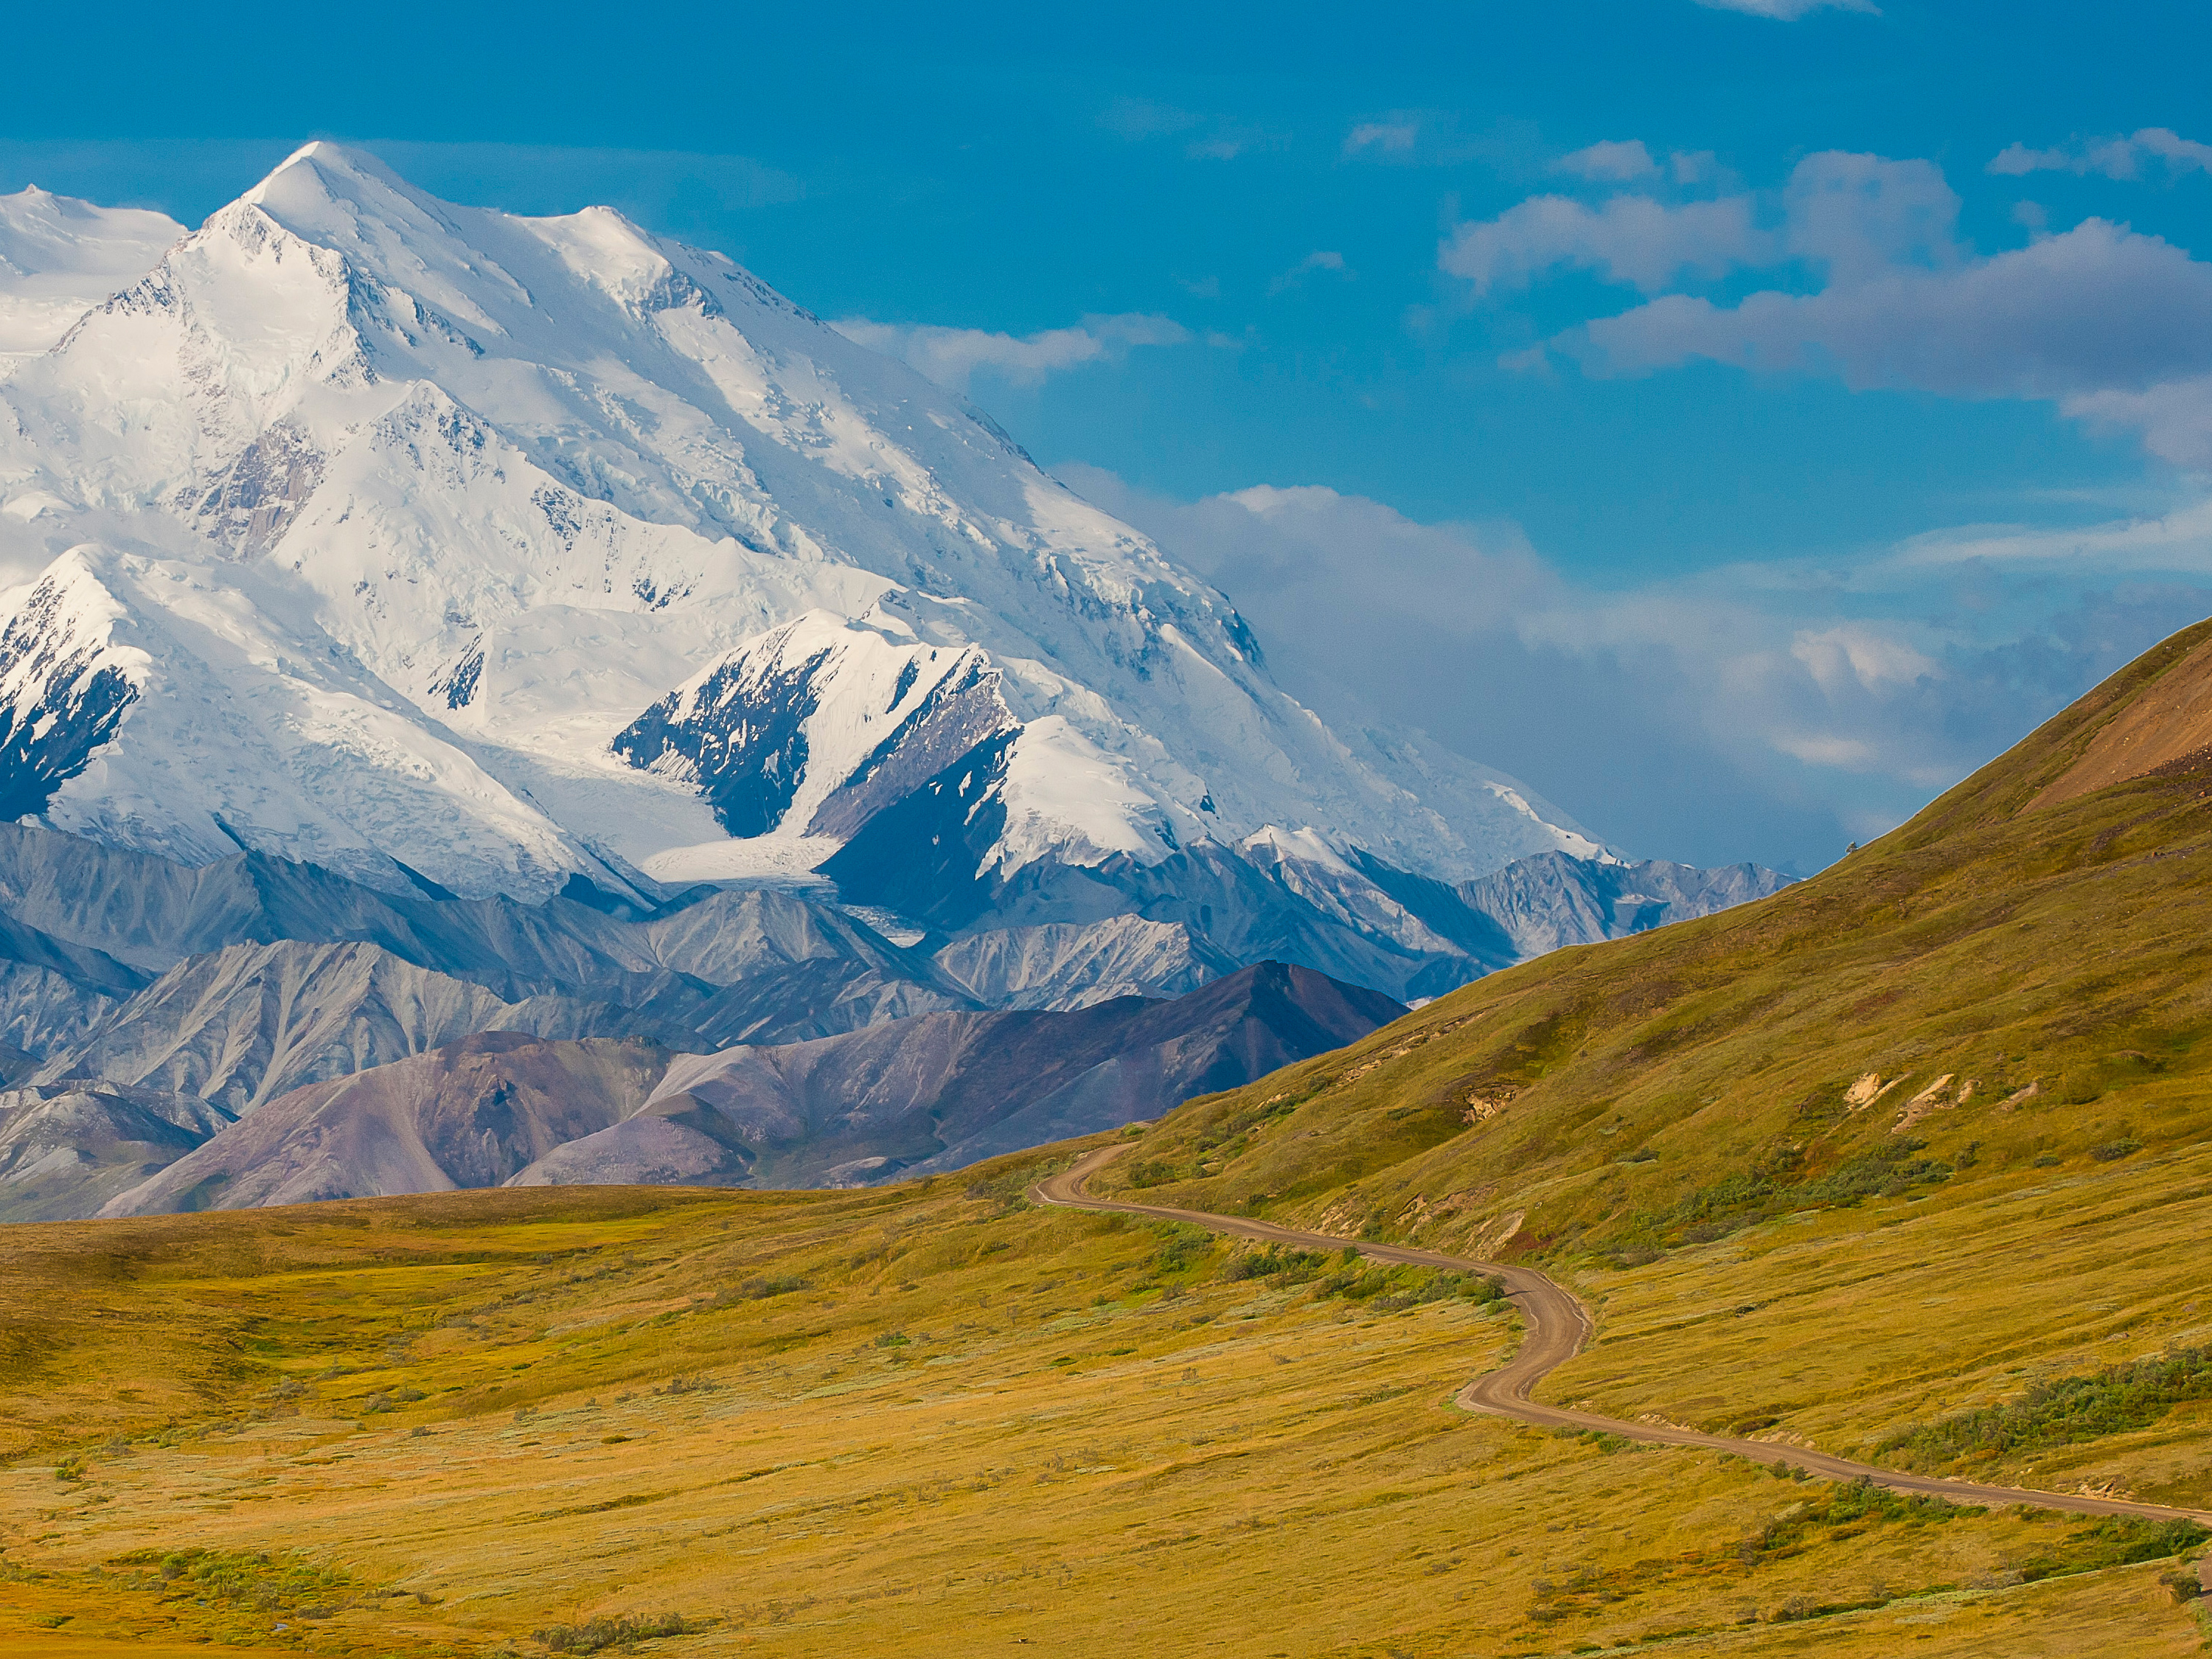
612,1631
1779,1183
251,1578
760,1290
1289,1267
1180,1247
2064,1411
2118,1540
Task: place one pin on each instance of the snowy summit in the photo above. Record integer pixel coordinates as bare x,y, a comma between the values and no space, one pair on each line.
440,546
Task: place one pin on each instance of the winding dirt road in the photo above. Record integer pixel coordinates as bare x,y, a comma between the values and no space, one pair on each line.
1556,1328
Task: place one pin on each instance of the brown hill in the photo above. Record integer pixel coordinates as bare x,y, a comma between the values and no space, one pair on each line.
468,1115
915,1097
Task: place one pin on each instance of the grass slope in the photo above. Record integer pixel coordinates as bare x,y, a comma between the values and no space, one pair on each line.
1680,1123
904,1423
931,1419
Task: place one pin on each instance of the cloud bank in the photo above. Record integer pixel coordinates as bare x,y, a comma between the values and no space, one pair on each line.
2131,157
952,356
1769,712
2112,325
1629,239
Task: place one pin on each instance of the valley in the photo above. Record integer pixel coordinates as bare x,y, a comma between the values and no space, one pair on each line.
1898,1170
903,1419
657,998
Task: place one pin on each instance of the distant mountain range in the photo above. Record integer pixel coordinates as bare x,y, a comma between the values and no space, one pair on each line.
130,985
440,623
456,552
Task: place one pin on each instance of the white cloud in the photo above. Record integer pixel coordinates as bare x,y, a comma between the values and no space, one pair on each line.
951,356
1215,137
1857,215
2173,419
2115,157
2176,542
1616,161
1628,238
1320,259
1770,712
2112,325
1854,653
1418,137
1788,11
2099,309
1396,137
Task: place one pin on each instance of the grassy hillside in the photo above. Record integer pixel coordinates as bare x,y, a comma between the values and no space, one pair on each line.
904,1423
1912,1136
931,1419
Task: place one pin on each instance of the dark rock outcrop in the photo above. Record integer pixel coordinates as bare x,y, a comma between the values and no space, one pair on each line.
468,1115
943,1091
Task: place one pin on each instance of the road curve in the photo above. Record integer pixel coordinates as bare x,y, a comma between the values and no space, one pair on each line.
1556,1328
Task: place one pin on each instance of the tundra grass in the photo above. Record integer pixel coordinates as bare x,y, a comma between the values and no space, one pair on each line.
915,1422
1928,1135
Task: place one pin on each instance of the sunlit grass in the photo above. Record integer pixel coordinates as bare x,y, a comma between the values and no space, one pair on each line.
951,1424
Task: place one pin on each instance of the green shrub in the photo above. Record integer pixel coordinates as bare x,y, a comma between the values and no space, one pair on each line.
760,1290
2117,1540
1778,1183
604,1631
1290,1267
1180,1247
2061,1412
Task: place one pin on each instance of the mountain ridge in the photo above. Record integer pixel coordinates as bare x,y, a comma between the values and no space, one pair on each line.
498,554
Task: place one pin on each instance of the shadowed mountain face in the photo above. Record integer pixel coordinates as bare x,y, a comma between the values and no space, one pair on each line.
255,1021
79,904
938,1092
932,1092
66,1148
469,1115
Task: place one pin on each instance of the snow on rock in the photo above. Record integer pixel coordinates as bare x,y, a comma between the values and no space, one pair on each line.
404,536
59,257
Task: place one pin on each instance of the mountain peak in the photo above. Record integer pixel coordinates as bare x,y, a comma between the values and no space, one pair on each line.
330,162
452,520
59,257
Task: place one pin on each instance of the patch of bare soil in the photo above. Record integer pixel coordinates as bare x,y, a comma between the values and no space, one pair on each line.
2170,724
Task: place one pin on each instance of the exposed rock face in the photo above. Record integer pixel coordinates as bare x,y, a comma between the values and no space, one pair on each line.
726,965
468,1115
66,1148
52,992
1544,903
237,982
1067,965
943,1091
255,1021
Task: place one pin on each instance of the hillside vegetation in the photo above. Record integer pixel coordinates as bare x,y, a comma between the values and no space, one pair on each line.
918,1422
1917,1135
930,1418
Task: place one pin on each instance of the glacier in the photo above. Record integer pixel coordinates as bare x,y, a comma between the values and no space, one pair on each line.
476,556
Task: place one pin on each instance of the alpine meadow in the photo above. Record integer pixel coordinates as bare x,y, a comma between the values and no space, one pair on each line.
1282,835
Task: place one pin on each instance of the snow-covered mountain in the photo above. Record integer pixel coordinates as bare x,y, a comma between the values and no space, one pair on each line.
60,257
453,550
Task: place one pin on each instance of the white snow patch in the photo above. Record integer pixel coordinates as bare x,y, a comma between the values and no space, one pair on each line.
763,858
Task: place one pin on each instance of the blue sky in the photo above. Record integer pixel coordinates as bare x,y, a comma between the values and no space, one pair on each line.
1737,420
